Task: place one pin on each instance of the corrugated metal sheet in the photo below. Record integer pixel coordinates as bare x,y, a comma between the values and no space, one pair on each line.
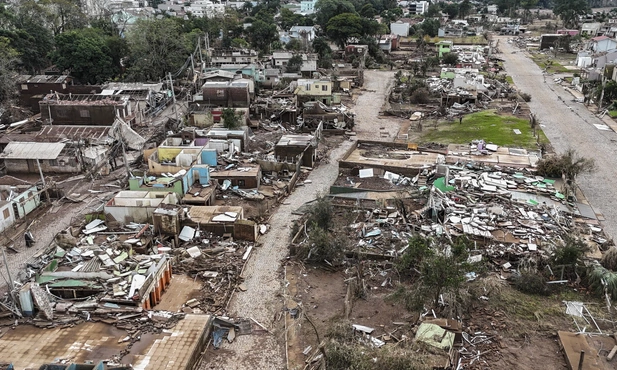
20,150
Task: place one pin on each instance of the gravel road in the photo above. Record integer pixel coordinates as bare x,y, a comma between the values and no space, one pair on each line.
263,279
568,124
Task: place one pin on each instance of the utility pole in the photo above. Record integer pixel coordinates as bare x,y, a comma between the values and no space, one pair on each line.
173,95
8,272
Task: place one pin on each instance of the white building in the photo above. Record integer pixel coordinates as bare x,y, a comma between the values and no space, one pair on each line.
418,7
307,6
205,8
302,33
399,28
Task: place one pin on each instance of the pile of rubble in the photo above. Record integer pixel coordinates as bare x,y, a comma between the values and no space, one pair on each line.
118,277
509,214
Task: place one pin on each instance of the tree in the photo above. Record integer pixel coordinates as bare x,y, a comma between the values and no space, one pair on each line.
262,34
29,37
328,9
343,27
368,11
294,64
247,8
321,47
570,10
293,44
464,9
64,15
231,119
527,5
567,165
433,270
8,75
239,43
156,48
430,27
288,19
86,54
433,11
450,58
451,10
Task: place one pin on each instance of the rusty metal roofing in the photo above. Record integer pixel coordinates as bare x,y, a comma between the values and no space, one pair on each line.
21,150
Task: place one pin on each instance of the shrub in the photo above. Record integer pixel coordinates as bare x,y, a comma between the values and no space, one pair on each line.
602,280
568,165
420,96
570,253
322,246
320,213
526,97
418,249
609,260
530,283
450,58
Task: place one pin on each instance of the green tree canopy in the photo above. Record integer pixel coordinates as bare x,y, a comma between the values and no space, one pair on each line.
328,9
345,26
262,34
570,10
288,19
8,75
29,37
321,47
430,26
450,58
87,54
156,48
294,64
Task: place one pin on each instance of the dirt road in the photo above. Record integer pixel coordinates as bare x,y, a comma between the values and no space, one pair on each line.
568,124
263,278
368,105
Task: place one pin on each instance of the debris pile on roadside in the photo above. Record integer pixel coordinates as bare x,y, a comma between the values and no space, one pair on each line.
118,277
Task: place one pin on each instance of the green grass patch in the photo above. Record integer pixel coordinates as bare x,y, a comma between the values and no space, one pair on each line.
612,113
487,125
509,80
551,66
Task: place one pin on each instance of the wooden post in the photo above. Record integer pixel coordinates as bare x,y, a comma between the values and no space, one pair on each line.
581,360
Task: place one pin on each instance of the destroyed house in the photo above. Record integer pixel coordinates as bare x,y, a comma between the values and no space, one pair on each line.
221,220
180,184
32,89
240,135
314,90
290,147
218,76
548,41
204,115
315,113
219,57
32,157
244,176
171,160
17,199
146,98
96,110
227,94
135,206
198,190
601,44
